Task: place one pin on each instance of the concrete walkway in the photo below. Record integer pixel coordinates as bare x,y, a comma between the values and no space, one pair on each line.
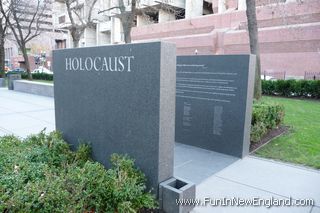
217,176
261,178
22,114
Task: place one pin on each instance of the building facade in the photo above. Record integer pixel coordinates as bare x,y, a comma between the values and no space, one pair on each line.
49,39
289,34
288,29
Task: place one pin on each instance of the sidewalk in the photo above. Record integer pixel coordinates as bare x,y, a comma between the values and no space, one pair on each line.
216,175
255,177
22,114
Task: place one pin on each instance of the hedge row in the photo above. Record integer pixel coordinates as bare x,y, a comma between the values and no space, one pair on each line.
39,76
41,174
265,116
292,88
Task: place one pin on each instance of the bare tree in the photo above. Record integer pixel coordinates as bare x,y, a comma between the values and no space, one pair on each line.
25,22
126,17
3,33
254,44
127,14
79,21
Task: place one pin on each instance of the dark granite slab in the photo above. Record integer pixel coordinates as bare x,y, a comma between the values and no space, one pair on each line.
121,99
214,102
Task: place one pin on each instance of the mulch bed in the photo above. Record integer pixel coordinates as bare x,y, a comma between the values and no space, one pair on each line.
268,137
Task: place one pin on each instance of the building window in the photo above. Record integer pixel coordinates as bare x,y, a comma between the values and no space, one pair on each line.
153,17
62,19
180,14
61,44
8,53
207,8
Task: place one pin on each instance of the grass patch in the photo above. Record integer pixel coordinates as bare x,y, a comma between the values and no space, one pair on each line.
302,144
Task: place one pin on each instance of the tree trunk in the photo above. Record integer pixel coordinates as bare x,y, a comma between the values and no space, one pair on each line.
2,57
26,61
257,81
127,19
2,50
127,32
76,33
254,44
76,43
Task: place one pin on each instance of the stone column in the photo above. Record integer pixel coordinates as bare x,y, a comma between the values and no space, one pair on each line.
242,5
69,40
141,20
116,31
194,8
222,7
165,16
215,6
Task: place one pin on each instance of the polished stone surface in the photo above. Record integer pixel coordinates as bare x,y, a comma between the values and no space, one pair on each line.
120,99
214,102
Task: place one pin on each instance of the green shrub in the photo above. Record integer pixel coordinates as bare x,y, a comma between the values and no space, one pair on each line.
258,131
264,118
38,76
268,87
41,174
292,88
125,183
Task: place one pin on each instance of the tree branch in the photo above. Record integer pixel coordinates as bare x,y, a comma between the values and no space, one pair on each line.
106,10
68,2
90,11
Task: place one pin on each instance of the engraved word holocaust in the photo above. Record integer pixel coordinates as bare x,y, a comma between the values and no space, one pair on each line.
109,64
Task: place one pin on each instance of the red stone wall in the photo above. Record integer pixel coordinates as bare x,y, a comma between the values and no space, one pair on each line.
289,35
